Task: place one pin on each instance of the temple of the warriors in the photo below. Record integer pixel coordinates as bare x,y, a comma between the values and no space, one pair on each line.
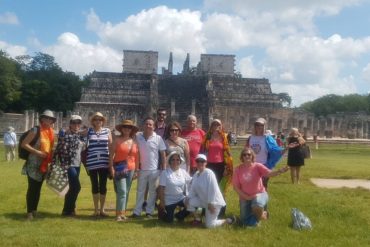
210,90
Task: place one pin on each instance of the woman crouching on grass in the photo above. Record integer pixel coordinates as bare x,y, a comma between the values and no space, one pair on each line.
247,182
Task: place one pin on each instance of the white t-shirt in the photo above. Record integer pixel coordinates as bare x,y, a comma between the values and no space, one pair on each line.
258,144
175,183
204,188
149,149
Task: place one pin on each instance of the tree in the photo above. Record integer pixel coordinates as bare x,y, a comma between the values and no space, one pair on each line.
10,82
285,99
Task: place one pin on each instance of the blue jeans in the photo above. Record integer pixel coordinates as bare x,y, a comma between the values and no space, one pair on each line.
122,188
74,189
247,217
170,212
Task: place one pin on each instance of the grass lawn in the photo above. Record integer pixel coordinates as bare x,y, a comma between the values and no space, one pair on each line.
340,217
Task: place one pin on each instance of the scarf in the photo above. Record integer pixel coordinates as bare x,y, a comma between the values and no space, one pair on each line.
228,159
46,146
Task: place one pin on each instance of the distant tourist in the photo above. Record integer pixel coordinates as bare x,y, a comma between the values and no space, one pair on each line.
219,158
10,143
175,143
194,136
151,147
38,160
264,146
99,140
205,193
173,185
247,182
123,164
295,154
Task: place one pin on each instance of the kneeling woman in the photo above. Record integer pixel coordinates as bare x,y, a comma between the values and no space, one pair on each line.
247,182
172,188
205,193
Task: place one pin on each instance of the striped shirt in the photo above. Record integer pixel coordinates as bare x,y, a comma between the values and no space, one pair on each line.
97,150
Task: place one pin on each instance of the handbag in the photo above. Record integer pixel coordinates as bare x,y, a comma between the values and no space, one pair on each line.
121,170
57,178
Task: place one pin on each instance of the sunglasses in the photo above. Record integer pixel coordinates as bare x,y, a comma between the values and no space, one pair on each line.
174,130
247,154
98,119
75,122
126,126
161,114
200,161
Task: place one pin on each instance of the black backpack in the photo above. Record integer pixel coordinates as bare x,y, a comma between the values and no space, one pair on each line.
23,153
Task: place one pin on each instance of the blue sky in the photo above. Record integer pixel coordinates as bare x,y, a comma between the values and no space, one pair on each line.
305,48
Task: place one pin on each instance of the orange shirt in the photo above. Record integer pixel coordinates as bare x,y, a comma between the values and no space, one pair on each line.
121,152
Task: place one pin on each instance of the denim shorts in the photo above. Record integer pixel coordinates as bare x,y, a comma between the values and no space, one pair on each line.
246,216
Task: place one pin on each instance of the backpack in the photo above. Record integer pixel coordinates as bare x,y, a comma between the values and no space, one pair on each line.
23,153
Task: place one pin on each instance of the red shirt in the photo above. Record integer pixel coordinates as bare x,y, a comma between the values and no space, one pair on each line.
194,138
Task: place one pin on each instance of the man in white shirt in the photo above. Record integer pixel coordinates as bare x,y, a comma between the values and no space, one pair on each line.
151,145
10,142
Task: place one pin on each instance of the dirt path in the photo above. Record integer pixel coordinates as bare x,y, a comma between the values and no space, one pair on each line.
339,183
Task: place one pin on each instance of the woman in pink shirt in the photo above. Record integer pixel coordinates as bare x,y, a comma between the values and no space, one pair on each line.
247,182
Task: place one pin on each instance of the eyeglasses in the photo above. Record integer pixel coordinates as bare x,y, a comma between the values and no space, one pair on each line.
247,154
174,130
200,161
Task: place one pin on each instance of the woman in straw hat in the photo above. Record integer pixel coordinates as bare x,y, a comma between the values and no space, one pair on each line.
123,163
39,158
97,162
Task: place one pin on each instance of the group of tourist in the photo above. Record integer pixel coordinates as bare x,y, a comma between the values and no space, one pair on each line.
189,170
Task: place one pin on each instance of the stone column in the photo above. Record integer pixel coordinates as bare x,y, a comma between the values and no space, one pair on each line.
193,101
26,121
173,107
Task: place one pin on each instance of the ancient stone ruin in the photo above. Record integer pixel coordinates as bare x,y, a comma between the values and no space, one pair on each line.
211,90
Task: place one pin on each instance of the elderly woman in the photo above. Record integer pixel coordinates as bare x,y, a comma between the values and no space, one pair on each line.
97,163
295,154
205,193
39,158
172,188
123,163
247,182
175,143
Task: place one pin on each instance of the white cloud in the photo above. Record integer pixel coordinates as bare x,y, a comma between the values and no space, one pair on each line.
73,55
13,50
160,29
9,18
366,73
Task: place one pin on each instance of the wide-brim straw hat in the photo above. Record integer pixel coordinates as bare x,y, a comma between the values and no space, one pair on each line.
127,122
218,121
48,114
98,115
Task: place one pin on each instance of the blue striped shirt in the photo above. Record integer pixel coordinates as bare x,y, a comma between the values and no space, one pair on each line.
97,150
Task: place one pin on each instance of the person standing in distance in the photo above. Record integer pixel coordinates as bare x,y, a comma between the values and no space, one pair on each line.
10,142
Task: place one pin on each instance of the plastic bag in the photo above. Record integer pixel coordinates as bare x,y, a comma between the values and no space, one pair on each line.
300,221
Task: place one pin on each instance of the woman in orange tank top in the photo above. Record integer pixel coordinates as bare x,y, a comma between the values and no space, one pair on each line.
124,155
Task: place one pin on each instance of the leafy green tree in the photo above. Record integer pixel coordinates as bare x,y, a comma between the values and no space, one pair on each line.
10,82
285,99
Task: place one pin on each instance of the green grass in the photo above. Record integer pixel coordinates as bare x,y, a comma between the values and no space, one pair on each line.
340,217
